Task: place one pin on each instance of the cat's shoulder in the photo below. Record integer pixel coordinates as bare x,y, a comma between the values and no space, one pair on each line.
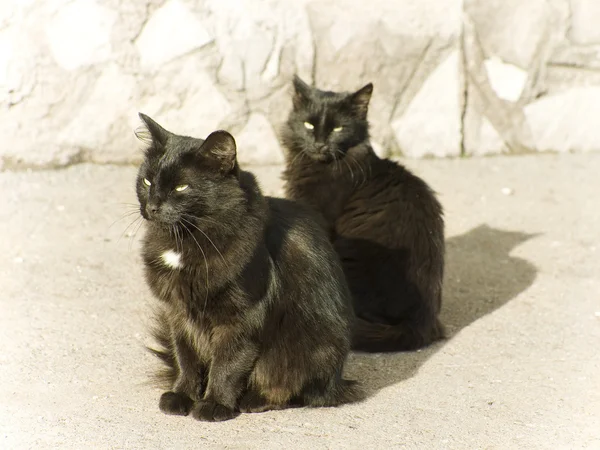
283,209
289,216
394,170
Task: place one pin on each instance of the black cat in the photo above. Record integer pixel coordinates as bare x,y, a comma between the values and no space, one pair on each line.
386,223
254,312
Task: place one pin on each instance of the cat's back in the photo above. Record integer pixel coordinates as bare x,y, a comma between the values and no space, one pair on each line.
308,266
393,201
295,228
391,182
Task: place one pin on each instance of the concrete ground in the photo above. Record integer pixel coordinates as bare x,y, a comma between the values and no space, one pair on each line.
522,303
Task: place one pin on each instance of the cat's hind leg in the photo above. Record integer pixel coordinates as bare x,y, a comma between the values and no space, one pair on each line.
254,402
333,392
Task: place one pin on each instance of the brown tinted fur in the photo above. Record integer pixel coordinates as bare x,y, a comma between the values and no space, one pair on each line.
385,222
259,299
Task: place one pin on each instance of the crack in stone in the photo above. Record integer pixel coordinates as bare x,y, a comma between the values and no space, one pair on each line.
465,91
420,61
82,156
143,24
506,118
147,17
537,68
244,81
202,48
313,69
574,66
17,164
272,49
569,28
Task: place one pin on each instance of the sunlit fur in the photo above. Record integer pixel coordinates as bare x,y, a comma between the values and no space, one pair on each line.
254,312
385,222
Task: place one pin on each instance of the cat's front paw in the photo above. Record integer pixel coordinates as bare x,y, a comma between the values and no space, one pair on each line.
175,403
210,411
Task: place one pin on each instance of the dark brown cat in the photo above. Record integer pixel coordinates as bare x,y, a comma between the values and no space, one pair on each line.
385,222
254,308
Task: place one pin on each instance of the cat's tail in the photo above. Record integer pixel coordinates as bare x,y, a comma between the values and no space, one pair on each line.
165,377
377,337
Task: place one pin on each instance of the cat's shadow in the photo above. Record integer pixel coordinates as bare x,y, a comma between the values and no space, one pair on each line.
481,276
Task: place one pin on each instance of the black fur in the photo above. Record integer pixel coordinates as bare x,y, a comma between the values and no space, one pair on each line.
385,223
256,313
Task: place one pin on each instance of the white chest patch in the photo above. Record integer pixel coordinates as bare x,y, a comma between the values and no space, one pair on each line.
172,259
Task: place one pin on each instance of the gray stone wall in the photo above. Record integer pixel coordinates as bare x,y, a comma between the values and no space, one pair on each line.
532,71
451,77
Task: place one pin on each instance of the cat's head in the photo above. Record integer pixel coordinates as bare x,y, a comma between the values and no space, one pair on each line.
183,179
324,125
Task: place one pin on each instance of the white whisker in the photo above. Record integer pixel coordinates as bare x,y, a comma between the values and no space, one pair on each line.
347,164
134,234
298,155
357,162
123,217
206,219
206,236
205,263
128,227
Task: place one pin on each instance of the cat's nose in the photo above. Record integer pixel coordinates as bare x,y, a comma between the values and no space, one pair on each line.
152,209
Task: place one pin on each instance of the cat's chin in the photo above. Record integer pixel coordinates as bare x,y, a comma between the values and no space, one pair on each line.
320,157
162,225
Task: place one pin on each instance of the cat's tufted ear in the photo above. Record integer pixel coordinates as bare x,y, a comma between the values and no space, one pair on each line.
301,92
360,100
221,146
157,133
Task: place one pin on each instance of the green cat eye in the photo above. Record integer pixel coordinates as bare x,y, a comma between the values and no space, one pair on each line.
336,129
181,187
147,182
309,125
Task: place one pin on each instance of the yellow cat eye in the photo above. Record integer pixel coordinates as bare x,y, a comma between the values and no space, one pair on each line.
147,182
181,187
336,129
309,125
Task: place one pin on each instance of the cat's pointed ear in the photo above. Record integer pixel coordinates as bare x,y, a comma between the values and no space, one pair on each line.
221,146
360,100
157,133
301,92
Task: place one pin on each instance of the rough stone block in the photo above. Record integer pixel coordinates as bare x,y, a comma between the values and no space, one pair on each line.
108,103
173,30
507,80
431,123
254,36
79,35
257,142
585,16
567,121
530,94
513,29
481,77
397,47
